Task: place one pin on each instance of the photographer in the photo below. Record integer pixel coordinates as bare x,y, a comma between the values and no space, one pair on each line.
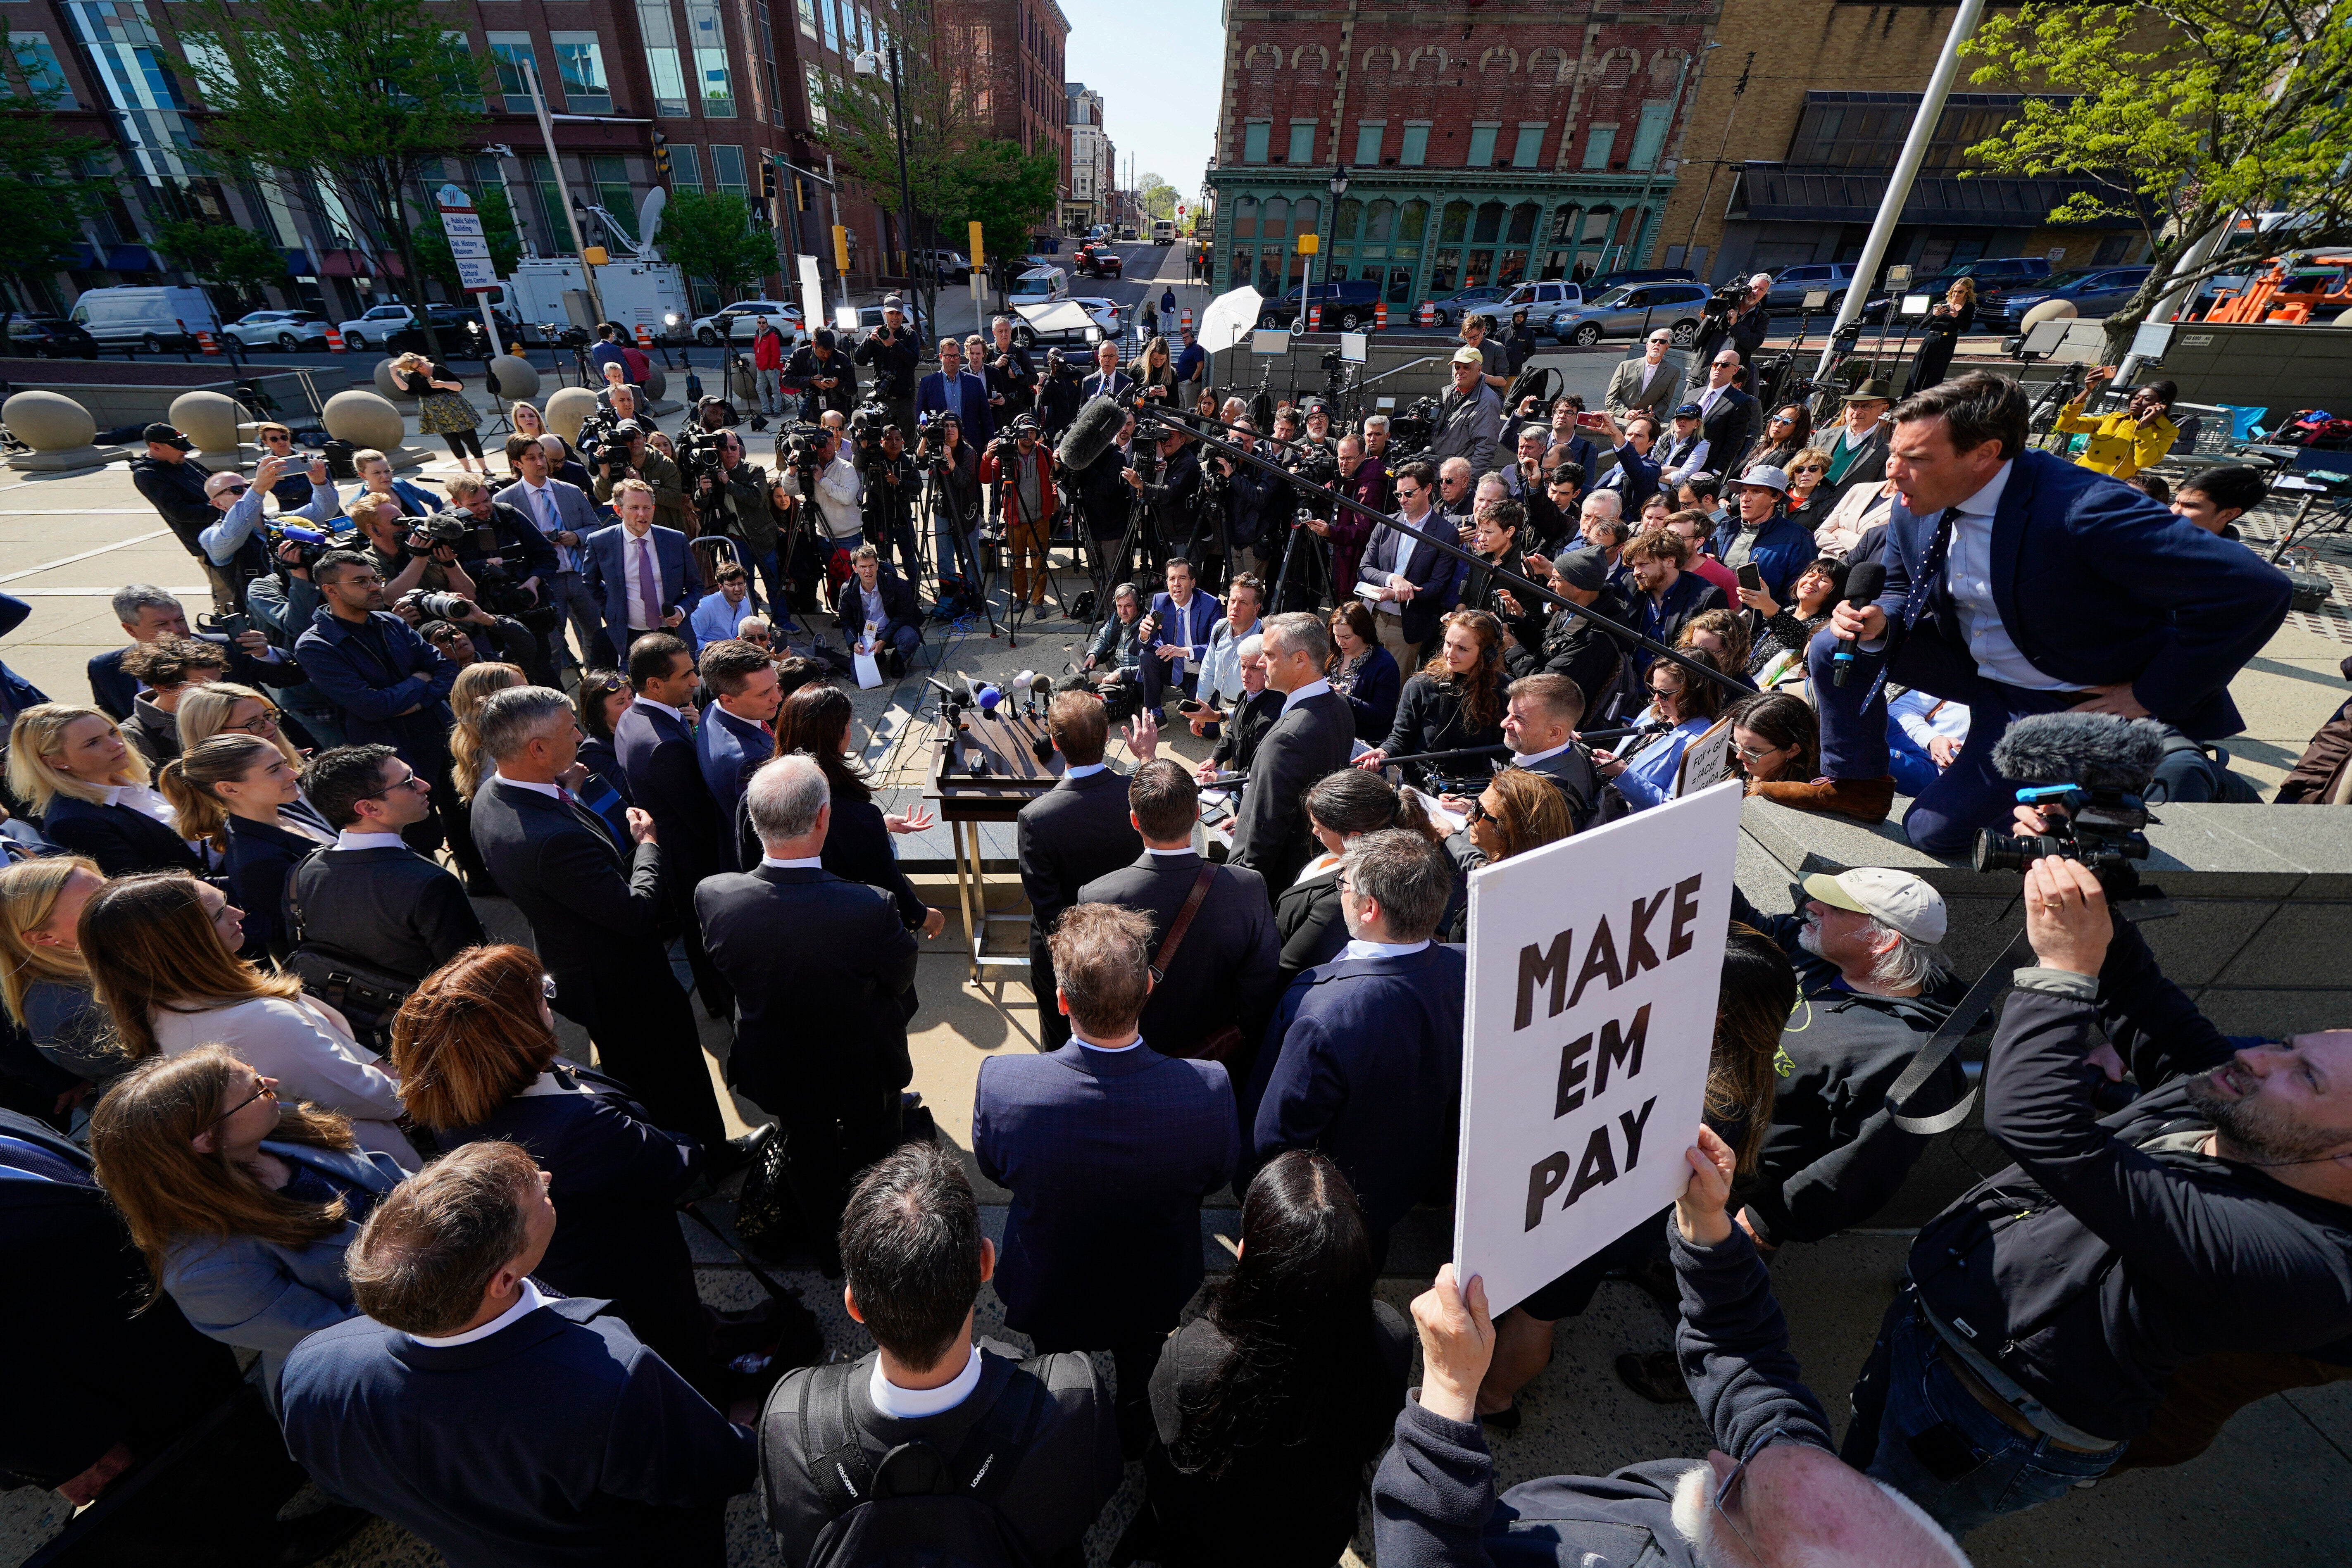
1470,415
1026,469
1734,317
232,545
893,488
438,616
1057,398
625,455
953,467
893,354
1171,497
1256,508
1011,378
840,491
822,375
409,553
736,497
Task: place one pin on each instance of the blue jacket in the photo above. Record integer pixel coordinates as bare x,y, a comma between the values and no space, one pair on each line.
978,421
2099,585
372,693
1781,552
1373,698
1108,1154
606,578
264,1295
1363,1062
730,750
1206,613
560,1441
21,693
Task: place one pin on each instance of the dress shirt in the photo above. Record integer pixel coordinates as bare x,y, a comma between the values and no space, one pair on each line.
349,839
805,863
1148,849
1312,689
1098,1046
633,576
1180,621
1707,399
871,598
915,1403
546,789
227,534
1358,948
1080,770
1530,759
715,620
1968,567
144,801
530,1300
676,714
1220,668
538,505
1389,553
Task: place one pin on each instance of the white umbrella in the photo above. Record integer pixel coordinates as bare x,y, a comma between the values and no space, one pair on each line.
1229,319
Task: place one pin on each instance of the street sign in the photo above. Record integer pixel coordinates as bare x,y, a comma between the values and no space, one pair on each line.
468,247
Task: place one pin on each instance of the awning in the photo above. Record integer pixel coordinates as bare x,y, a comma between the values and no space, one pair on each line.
297,264
82,258
357,264
131,259
1767,193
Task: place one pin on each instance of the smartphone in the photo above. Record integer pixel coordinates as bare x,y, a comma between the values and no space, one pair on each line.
1192,705
1751,579
1590,421
229,626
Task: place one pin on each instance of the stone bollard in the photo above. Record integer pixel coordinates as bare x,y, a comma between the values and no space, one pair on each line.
518,378
210,420
60,430
388,385
567,409
366,421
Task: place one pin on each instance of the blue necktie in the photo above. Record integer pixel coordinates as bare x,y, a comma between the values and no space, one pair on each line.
1931,566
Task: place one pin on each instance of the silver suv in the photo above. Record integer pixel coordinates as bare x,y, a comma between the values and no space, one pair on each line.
1791,284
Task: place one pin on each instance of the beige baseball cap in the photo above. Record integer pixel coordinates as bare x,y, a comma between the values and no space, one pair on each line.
1465,354
1899,899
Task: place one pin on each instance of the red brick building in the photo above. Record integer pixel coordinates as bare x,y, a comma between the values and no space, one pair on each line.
1008,54
1482,145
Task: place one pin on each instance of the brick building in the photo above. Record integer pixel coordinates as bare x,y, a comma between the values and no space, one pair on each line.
1482,144
1007,55
1789,165
729,82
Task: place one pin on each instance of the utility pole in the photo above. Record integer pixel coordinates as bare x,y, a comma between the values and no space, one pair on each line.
840,257
1738,91
563,187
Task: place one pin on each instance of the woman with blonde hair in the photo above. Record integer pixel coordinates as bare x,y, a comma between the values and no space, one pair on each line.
88,786
1154,375
476,684
162,951
223,706
43,981
441,408
239,793
242,1203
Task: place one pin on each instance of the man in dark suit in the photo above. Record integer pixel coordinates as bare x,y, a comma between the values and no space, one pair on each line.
823,971
1183,617
1109,1147
1108,380
738,732
368,897
1313,738
642,577
2018,584
1363,1060
1858,450
503,1427
1539,726
1224,970
1074,832
594,911
564,517
1416,581
1727,414
874,594
952,389
655,741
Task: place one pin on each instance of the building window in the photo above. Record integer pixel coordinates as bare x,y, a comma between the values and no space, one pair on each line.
712,77
685,167
1650,137
1482,146
512,51
38,62
1254,140
1368,143
554,207
1415,151
808,18
768,65
580,63
608,184
815,78
663,64
1598,140
727,172
1245,217
1529,150
1345,219
1302,141
464,77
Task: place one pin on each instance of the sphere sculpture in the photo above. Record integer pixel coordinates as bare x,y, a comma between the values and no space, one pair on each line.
364,420
210,420
2048,311
518,378
60,432
567,409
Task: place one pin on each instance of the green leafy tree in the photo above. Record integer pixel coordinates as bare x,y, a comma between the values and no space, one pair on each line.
45,186
712,236
360,94
235,260
2183,116
1159,197
498,228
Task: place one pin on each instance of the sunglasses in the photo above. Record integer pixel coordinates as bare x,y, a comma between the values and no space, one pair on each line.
1475,812
1731,1486
1783,419
236,489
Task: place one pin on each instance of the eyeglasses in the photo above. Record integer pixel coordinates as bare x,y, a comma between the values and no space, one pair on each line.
1477,812
1731,1484
1755,753
262,1088
410,781
265,725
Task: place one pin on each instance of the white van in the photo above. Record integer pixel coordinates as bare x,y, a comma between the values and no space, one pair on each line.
1039,285
154,318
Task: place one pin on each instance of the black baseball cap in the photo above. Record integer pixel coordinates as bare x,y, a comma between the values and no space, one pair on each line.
1687,411
168,436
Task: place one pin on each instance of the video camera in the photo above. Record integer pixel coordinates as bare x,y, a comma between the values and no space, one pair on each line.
570,337
1411,432
867,423
1728,298
310,544
441,528
2089,773
797,449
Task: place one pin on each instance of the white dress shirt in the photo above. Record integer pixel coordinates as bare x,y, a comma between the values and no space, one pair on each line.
914,1403
548,790
1312,689
805,863
348,840
676,714
1530,759
1080,770
1968,564
528,1301
144,801
1358,948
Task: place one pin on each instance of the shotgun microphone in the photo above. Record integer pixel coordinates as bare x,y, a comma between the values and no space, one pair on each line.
1863,584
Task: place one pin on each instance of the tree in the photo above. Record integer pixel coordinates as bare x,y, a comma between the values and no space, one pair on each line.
498,228
1008,191
713,237
45,187
2183,116
1158,196
359,93
235,259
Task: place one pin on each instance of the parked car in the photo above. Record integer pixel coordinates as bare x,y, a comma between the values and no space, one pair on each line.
1110,311
375,328
286,330
1631,310
1347,305
741,319
1596,287
1791,284
49,337
1098,261
393,329
953,265
1452,306
2094,291
154,318
1038,285
1541,300
1104,322
1994,277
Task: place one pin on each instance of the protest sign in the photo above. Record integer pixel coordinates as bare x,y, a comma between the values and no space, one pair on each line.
1594,964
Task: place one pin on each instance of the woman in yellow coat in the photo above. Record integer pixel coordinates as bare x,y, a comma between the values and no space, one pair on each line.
2123,442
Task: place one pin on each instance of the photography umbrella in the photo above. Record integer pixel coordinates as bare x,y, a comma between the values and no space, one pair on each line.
1229,319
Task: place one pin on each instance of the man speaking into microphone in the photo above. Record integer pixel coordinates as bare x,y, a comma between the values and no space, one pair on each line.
2016,584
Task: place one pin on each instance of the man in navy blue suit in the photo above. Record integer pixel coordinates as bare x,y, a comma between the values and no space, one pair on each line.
654,740
1108,1148
642,577
503,1425
2018,584
1172,654
738,732
1363,1060
951,389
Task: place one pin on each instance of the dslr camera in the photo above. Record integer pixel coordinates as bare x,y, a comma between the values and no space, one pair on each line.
446,606
308,543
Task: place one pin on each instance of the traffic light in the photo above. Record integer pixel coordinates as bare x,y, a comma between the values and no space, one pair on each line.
661,156
767,182
840,248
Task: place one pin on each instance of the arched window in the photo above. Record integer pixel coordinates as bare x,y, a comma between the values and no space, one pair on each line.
1414,222
1304,213
1490,224
1455,224
1345,217
1275,224
1523,224
1245,218
1383,222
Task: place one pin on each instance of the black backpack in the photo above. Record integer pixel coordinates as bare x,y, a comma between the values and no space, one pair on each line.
915,1508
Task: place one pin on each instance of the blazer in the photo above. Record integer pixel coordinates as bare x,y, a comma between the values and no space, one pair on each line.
269,1296
119,839
728,751
1436,576
1307,920
663,761
1224,970
1373,698
606,578
573,510
1117,384
589,902
820,1012
1313,739
857,849
260,857
968,402
1363,1062
2098,585
307,1046
389,907
1107,1154
1073,832
1867,470
373,679
1726,428
1626,393
1206,613
561,1439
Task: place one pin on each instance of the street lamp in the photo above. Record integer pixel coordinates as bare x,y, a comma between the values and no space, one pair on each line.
1339,184
870,64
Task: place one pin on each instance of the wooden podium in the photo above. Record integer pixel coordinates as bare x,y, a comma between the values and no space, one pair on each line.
1001,743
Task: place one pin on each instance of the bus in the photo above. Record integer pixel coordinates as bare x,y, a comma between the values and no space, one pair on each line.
1164,231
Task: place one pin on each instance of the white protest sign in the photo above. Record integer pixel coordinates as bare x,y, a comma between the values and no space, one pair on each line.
1594,964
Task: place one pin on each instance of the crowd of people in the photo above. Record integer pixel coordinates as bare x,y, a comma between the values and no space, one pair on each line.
275,1099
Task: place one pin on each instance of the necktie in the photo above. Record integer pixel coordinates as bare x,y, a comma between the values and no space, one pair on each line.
1931,566
571,803
648,582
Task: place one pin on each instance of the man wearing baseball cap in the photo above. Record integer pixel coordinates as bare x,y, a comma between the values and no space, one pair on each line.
173,484
1760,535
891,350
1469,417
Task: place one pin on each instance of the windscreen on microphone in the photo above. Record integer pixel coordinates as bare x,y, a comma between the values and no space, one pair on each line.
1864,582
1024,678
1041,683
2097,750
989,697
1094,432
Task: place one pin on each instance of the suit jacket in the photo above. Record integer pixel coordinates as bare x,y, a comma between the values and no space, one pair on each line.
1117,384
589,902
607,580
119,839
819,965
1436,575
664,765
560,1440
728,751
1726,428
391,907
1067,837
1868,469
1205,614
2098,585
1363,1062
1224,970
574,511
259,856
1108,1154
979,423
1627,395
1314,739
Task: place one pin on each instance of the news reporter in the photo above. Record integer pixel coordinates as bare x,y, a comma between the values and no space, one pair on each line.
1364,672
1683,707
70,765
1454,702
815,720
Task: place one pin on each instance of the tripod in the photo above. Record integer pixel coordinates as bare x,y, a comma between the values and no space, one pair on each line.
1316,561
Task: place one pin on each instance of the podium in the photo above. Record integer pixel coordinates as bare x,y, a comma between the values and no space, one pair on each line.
985,771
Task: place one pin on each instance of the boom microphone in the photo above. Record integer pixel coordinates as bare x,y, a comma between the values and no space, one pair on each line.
1094,432
1863,584
2097,751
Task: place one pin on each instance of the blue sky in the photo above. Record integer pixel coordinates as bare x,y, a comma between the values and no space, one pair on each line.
1159,69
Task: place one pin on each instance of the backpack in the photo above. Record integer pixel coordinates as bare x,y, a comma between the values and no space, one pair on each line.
917,1508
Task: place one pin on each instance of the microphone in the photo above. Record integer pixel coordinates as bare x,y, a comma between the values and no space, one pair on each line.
2095,750
989,697
1863,584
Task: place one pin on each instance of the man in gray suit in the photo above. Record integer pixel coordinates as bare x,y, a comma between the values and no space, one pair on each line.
564,514
1314,737
1648,384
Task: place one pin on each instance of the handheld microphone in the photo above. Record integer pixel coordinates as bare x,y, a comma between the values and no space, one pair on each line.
989,697
1863,584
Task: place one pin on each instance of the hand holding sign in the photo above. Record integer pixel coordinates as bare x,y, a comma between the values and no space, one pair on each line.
1458,1341
1699,1212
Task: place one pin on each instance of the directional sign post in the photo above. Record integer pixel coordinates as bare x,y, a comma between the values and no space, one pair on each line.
470,247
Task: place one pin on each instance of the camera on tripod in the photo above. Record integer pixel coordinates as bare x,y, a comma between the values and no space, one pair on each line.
308,543
571,337
1730,297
